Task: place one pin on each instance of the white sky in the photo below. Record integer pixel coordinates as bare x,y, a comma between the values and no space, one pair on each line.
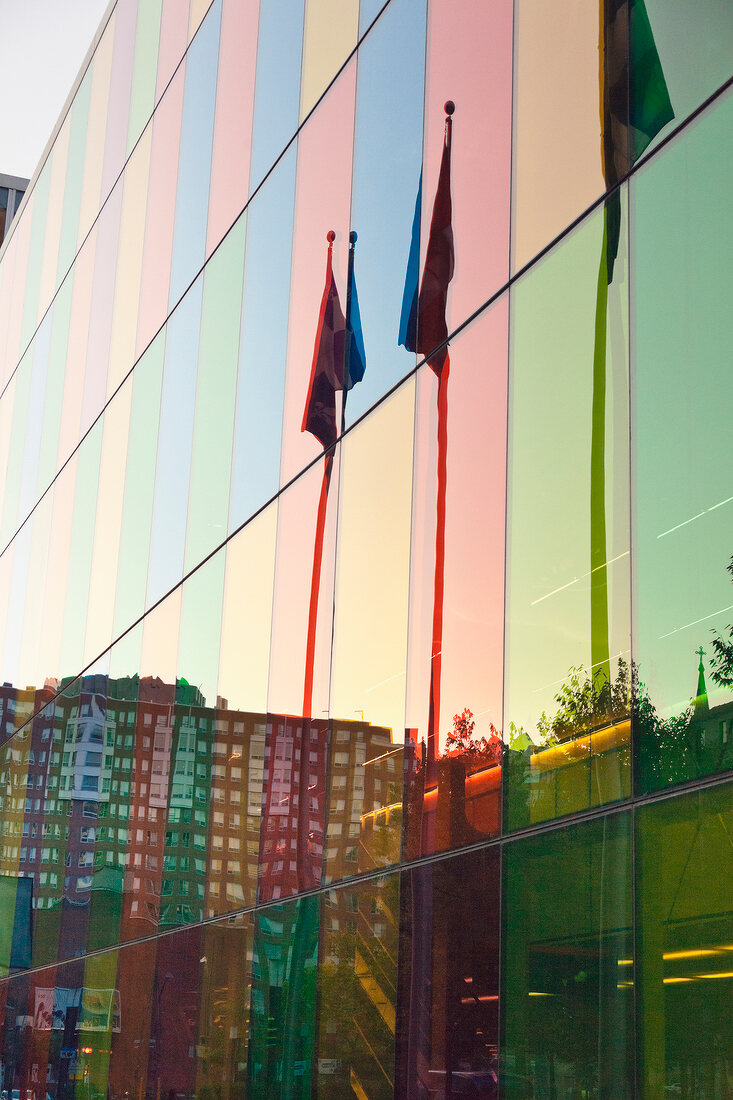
42,46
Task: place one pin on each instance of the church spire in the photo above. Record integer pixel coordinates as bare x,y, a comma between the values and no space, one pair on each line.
701,698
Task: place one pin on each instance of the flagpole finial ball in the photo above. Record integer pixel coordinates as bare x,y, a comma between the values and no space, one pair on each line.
353,237
331,236
449,106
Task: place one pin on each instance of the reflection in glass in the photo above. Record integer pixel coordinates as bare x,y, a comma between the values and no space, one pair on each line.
449,978
357,990
567,964
566,712
683,599
684,950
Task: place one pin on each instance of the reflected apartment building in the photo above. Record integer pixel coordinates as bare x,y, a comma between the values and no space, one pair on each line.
366,726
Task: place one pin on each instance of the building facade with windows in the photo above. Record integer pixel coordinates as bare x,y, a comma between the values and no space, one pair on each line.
12,190
366,546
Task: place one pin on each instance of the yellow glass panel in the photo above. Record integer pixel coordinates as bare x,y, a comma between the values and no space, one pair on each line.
557,128
96,129
331,28
129,263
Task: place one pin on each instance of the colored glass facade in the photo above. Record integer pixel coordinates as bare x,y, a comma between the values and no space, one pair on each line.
366,720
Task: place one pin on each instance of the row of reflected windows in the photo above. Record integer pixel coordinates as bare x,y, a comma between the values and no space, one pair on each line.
532,970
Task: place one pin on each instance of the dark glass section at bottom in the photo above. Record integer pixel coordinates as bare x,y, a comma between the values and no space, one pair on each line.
567,979
449,978
684,946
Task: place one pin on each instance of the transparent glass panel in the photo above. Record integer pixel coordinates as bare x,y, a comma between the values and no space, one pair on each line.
454,677
567,675
683,507
142,94
81,117
684,949
567,967
100,69
448,1001
120,89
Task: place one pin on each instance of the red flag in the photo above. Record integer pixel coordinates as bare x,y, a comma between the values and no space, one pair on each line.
327,371
439,263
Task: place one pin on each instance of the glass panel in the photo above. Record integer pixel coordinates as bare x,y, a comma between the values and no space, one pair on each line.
322,196
211,448
167,543
685,955
331,28
147,34
454,685
52,237
293,814
81,115
683,602
194,164
100,72
567,967
129,263
370,639
469,61
277,88
159,224
566,711
448,1018
260,391
387,163
35,256
357,990
694,49
233,121
282,1021
137,507
173,42
118,108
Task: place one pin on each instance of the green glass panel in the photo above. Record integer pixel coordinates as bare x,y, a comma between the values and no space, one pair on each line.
145,66
567,639
21,409
35,254
80,554
282,1018
357,990
694,46
216,388
54,390
74,174
567,971
682,331
684,868
137,513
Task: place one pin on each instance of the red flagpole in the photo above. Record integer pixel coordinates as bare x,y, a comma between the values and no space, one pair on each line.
310,647
438,584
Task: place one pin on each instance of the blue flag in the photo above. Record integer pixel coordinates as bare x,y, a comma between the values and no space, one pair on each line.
408,316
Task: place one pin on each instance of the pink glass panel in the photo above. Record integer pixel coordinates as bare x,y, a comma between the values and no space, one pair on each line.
469,61
158,247
322,200
233,120
119,93
173,36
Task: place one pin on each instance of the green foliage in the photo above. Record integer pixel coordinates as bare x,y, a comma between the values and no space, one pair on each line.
477,751
722,660
585,703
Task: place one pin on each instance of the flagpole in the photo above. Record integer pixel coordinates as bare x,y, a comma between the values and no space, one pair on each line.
442,371
310,645
349,335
